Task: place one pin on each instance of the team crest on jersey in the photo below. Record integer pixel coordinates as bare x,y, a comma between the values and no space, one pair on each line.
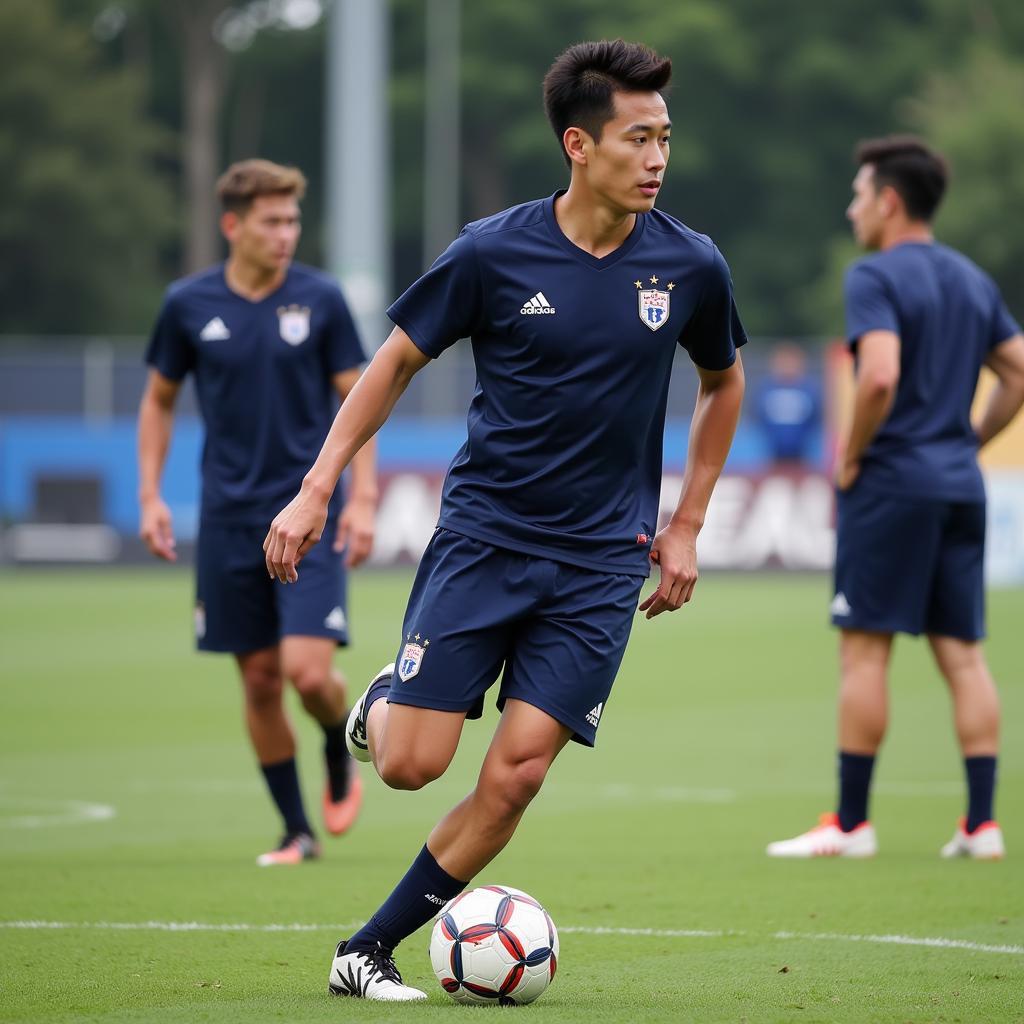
412,657
294,322
654,307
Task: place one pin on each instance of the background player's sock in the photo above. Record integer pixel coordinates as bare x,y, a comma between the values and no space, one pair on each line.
981,787
283,783
854,786
337,757
425,888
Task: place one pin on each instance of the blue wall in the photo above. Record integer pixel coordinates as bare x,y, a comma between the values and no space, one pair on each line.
31,446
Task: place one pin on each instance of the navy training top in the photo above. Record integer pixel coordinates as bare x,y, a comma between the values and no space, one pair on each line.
949,315
573,356
263,378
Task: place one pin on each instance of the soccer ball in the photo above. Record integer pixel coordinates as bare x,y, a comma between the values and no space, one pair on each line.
494,944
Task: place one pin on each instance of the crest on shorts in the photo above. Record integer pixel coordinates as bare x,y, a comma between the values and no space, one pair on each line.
654,306
294,323
412,657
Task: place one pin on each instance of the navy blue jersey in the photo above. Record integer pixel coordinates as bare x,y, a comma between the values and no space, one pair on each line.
263,377
949,315
573,356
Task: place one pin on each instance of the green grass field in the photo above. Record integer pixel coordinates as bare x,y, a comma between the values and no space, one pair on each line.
129,804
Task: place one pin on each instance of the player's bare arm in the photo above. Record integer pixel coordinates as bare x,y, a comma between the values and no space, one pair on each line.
674,551
301,523
878,375
1006,361
156,421
357,521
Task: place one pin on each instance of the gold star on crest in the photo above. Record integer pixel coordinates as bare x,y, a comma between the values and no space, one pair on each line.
417,636
654,279
671,285
639,284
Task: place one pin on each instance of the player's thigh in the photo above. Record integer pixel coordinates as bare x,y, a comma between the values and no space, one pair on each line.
316,605
886,549
417,743
459,623
235,609
566,657
956,606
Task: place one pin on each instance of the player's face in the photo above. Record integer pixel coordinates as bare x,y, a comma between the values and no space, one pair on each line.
266,236
866,211
626,167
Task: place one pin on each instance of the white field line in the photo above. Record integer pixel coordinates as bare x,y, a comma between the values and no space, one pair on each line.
56,812
927,942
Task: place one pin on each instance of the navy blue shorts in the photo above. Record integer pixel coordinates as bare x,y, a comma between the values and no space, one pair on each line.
909,565
240,609
554,632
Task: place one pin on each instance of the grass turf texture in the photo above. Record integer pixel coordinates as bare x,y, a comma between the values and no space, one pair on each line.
718,738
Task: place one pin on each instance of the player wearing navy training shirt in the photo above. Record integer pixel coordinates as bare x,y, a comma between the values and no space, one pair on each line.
922,320
271,346
575,306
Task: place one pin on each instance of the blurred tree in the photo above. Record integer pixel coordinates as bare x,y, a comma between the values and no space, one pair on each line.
85,210
974,116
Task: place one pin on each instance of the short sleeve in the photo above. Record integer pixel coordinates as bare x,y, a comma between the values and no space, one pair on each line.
1004,326
170,351
714,331
446,303
868,304
342,347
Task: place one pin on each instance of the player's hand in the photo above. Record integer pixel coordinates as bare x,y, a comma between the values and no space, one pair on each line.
295,529
674,551
355,530
847,473
156,530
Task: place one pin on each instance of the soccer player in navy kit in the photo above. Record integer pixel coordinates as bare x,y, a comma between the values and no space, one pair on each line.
575,306
922,320
271,345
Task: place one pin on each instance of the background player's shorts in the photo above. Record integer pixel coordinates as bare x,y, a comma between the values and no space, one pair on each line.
239,608
558,631
909,565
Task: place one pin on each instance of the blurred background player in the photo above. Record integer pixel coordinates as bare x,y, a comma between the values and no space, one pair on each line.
575,305
788,406
272,345
922,320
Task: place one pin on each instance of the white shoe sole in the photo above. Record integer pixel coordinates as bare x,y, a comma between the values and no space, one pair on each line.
355,736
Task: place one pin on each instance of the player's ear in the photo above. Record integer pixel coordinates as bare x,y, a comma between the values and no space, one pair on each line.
229,221
891,201
575,140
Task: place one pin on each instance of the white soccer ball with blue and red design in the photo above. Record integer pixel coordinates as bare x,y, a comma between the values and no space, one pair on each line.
494,944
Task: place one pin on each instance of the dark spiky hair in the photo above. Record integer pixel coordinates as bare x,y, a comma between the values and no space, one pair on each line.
580,87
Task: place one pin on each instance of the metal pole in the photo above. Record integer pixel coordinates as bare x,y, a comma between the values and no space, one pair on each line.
442,130
358,161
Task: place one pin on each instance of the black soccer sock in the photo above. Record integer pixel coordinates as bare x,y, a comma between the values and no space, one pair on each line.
425,888
981,789
283,783
337,757
854,787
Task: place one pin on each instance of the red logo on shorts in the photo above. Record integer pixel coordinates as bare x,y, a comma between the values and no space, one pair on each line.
642,538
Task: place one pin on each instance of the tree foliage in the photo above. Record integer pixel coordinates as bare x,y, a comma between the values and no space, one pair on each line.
86,209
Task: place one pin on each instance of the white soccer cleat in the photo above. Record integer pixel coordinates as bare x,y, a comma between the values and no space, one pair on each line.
827,839
355,727
369,976
984,843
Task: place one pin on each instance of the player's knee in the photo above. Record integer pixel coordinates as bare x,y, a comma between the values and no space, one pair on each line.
311,682
263,688
516,784
401,771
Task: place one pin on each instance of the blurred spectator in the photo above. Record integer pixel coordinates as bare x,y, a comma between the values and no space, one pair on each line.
788,405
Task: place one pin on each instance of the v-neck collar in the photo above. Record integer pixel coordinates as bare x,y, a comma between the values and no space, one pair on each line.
253,303
589,259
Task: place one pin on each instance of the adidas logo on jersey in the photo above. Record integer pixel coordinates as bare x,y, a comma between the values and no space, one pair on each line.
594,714
839,605
215,330
336,620
538,304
